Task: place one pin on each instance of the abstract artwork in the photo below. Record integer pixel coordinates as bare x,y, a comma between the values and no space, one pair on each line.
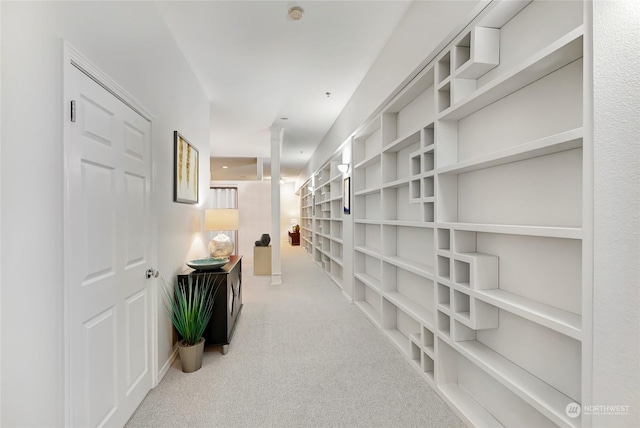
185,171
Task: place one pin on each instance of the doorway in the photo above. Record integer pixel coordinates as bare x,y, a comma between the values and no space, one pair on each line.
109,236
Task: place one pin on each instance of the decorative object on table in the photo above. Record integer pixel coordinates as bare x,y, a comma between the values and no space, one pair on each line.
185,170
207,264
264,241
190,308
296,228
221,220
346,195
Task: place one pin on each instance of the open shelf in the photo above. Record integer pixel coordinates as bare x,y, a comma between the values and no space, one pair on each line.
564,51
410,265
545,231
544,398
556,319
403,142
414,310
369,281
368,251
469,407
367,191
544,146
375,158
368,310
400,340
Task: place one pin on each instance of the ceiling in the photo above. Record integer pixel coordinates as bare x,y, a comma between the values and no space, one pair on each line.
261,68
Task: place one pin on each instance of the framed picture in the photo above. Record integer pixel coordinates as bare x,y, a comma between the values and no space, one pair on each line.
185,171
346,195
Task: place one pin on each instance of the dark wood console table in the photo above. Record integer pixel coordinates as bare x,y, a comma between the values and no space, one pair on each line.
228,302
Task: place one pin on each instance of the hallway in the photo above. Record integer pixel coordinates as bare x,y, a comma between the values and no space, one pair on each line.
301,356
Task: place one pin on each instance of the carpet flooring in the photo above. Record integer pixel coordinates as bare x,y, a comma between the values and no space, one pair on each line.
301,356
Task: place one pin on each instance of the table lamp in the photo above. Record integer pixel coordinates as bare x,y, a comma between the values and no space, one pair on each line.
221,219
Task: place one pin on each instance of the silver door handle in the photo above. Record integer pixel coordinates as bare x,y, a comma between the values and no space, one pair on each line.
152,273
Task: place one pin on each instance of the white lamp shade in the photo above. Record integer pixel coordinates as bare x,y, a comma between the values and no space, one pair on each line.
221,219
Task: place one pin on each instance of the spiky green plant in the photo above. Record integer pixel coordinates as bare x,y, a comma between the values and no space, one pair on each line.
190,306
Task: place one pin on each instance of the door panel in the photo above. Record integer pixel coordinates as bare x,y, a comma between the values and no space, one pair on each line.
107,152
100,333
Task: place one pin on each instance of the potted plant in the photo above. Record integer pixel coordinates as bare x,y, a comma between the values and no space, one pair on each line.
190,307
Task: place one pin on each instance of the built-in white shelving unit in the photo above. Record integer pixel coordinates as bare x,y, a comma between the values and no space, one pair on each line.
468,237
322,209
470,219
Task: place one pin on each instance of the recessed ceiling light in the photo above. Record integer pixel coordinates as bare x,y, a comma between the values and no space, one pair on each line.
224,167
328,94
296,13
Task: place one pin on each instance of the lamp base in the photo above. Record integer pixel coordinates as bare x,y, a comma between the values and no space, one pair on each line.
221,246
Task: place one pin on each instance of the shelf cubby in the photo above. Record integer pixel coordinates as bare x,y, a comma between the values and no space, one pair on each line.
368,143
461,304
549,59
428,366
368,300
397,204
368,207
444,267
413,293
444,297
409,247
444,97
428,341
444,324
415,162
461,332
477,52
444,239
398,326
367,175
428,210
443,68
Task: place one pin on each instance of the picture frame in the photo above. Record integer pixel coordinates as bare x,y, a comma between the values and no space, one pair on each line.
185,170
346,195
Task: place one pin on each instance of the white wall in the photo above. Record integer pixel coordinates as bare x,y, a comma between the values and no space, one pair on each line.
422,33
254,208
616,292
289,208
130,43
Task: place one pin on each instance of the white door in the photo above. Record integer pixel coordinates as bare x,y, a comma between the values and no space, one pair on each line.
108,251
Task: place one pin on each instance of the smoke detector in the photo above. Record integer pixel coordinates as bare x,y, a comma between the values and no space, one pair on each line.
296,13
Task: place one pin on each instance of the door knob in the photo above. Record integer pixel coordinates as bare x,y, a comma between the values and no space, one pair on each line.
152,273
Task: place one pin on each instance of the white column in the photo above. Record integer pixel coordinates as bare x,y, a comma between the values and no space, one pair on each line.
276,147
260,168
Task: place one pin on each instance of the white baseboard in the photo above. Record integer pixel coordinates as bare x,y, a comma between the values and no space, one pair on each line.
165,368
346,296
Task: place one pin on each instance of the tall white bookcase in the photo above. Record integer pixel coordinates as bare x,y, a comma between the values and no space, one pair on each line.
321,211
472,222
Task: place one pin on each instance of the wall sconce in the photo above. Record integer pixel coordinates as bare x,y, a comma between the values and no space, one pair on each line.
310,189
343,167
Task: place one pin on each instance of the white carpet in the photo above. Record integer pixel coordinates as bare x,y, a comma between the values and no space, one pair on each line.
301,356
